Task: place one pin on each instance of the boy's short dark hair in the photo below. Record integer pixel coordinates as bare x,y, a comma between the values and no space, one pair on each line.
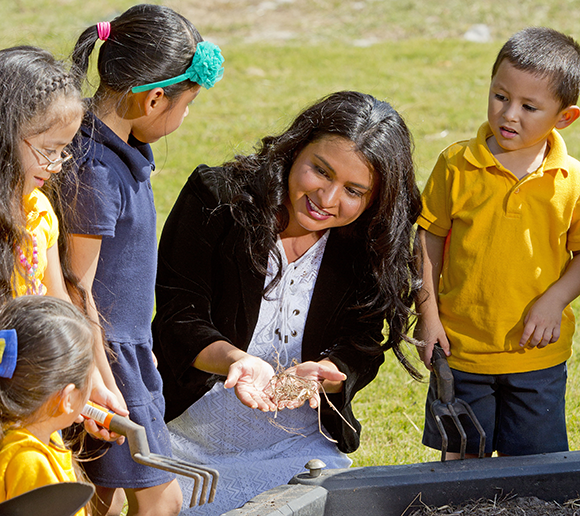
549,54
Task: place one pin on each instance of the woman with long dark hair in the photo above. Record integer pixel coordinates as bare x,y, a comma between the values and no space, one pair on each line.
296,257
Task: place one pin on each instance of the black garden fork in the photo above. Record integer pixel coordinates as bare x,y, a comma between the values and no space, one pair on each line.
448,406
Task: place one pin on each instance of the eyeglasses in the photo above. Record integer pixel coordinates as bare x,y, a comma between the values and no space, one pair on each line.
52,164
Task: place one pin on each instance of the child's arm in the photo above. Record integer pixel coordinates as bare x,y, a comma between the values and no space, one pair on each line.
85,257
53,279
542,322
104,389
104,392
429,328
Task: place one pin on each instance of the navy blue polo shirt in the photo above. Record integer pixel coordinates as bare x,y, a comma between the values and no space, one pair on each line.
115,201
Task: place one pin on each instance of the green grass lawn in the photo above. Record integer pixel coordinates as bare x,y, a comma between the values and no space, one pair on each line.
409,52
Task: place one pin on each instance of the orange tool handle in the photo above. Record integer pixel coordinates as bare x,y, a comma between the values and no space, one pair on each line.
100,414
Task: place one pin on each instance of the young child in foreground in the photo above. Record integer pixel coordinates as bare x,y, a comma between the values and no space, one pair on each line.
46,363
500,232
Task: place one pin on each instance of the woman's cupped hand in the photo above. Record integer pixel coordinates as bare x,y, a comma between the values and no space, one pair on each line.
250,377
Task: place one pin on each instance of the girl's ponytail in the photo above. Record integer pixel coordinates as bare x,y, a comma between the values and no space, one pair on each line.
146,44
81,54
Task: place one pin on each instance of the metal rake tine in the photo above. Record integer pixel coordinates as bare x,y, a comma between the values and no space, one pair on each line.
201,470
215,475
444,438
203,495
193,500
150,460
213,472
477,424
460,429
187,469
196,480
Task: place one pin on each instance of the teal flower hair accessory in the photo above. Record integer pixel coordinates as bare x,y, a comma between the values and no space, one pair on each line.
206,69
8,352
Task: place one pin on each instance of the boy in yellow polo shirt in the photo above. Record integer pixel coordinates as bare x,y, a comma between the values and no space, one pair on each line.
500,232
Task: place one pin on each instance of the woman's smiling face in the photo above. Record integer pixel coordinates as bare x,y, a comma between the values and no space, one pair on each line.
330,185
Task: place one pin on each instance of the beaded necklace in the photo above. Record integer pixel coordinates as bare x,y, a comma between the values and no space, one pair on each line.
34,286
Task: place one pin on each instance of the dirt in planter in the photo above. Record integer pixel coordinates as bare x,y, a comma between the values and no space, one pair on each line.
514,506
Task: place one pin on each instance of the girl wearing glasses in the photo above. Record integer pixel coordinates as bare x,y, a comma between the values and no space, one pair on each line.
152,64
40,112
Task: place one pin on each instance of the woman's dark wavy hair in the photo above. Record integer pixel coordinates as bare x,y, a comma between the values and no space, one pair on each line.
31,80
147,43
257,187
55,348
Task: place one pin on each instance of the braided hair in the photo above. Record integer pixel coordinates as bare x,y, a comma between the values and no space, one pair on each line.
32,82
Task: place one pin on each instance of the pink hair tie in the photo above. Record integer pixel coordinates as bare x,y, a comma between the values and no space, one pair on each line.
103,30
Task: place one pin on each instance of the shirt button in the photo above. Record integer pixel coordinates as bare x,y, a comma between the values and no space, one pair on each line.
517,190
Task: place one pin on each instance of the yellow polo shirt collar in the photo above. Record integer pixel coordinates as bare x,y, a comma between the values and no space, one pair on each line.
477,153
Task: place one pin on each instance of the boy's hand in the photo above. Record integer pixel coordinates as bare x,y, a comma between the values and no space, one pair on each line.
542,323
430,332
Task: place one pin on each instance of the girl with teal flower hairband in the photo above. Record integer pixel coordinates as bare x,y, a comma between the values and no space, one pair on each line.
152,64
205,70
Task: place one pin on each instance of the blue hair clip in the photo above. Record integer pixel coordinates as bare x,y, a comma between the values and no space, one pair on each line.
8,352
206,69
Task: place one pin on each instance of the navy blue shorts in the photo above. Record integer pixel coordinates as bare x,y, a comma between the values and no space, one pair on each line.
521,413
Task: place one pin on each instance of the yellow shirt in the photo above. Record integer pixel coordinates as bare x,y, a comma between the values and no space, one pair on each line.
42,223
26,463
508,240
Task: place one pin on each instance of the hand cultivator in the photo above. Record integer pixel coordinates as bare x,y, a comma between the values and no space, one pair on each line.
447,405
136,436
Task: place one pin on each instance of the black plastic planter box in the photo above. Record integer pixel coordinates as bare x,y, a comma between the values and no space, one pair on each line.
389,490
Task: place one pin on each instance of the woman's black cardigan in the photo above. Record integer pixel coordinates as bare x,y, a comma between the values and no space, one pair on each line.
207,290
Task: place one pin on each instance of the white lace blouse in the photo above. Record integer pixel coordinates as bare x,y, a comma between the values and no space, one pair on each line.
252,451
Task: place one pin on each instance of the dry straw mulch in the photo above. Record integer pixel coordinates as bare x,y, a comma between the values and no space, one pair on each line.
509,506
